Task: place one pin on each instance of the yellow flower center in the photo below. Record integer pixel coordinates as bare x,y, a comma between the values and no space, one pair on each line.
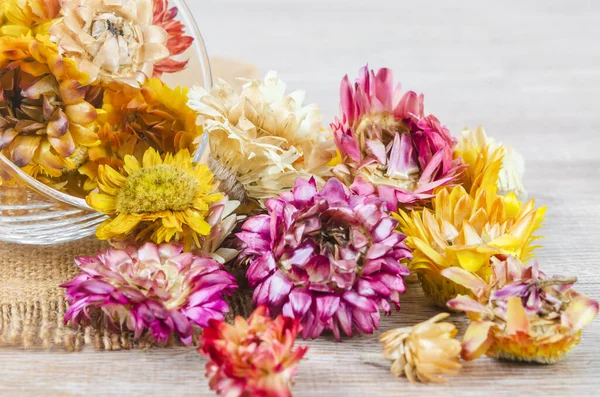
158,188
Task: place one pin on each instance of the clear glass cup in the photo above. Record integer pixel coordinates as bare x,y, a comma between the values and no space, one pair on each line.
35,214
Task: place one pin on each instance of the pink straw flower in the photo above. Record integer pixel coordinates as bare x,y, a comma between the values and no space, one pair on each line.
155,288
385,138
330,258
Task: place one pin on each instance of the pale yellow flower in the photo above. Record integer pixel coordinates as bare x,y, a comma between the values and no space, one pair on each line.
423,351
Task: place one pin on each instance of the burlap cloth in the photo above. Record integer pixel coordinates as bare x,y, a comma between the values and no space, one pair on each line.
32,305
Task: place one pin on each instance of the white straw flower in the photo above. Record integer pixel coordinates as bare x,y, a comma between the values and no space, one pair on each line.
261,139
112,40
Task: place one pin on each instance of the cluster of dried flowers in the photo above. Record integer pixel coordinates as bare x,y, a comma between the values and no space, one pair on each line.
80,89
327,222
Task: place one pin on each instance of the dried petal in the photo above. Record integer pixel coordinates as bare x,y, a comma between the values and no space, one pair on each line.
580,312
477,340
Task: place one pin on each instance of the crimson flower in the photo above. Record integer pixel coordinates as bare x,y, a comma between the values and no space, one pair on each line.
254,357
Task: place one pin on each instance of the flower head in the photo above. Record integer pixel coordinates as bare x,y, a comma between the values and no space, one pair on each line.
160,289
45,113
131,122
23,17
177,42
521,314
112,41
490,164
466,232
385,138
423,351
330,258
160,199
261,140
254,357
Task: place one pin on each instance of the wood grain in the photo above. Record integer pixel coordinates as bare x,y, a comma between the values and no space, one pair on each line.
528,71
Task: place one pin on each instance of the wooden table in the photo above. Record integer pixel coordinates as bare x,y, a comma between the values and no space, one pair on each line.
528,71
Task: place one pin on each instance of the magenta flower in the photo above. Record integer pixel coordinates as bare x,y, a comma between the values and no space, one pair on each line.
155,288
330,258
385,138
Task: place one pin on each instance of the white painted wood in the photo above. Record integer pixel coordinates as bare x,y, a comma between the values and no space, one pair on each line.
529,71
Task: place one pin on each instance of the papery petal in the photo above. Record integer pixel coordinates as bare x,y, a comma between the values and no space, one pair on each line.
516,317
467,304
477,340
465,278
580,312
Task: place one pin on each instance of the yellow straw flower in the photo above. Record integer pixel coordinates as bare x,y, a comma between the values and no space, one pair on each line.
155,116
22,17
160,200
46,118
467,231
490,164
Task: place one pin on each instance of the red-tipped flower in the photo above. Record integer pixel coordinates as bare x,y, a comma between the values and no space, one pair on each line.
330,258
177,41
254,357
384,137
155,288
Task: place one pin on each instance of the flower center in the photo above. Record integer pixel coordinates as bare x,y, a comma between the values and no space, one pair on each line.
378,138
387,123
158,188
113,24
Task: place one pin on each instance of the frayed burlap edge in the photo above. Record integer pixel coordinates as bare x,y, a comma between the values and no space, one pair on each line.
32,305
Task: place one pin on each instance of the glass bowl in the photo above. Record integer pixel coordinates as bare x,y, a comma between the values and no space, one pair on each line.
33,213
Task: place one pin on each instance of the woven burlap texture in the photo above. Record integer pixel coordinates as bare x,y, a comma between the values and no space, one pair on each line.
32,305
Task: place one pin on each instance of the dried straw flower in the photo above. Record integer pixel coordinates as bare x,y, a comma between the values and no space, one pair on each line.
159,289
484,158
330,258
45,113
521,315
423,351
177,41
161,200
132,122
466,232
261,140
254,357
113,41
385,138
25,17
